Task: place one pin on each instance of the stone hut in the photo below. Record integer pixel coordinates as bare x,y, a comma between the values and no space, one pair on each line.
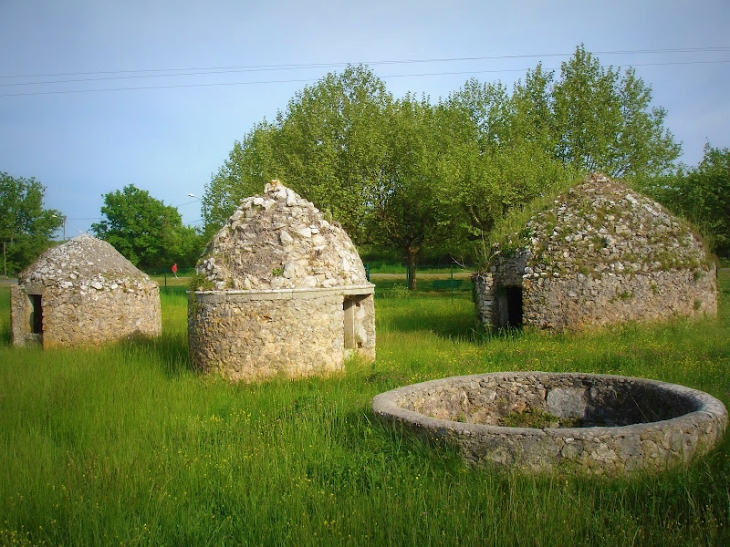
279,291
83,293
601,254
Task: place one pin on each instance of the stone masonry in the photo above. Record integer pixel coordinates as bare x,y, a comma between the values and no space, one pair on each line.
598,424
603,254
83,293
280,291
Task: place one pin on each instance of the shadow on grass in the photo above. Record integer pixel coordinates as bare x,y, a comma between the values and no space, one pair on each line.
5,337
450,319
170,350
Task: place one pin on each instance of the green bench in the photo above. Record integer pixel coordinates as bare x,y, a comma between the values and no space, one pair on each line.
441,284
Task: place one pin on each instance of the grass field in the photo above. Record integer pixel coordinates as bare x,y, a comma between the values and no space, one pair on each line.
127,446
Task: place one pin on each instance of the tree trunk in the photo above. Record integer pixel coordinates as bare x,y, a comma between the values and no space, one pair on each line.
411,257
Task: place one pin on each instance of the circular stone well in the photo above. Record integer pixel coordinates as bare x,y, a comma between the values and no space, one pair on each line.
537,421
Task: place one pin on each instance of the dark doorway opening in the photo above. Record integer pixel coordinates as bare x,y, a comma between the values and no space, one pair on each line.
36,314
514,306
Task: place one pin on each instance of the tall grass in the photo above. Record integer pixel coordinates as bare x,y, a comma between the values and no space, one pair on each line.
126,445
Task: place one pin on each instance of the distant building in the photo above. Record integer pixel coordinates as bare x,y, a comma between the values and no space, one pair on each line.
83,293
601,254
280,291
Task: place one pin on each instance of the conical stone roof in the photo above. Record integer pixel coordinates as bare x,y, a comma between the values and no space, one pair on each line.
601,227
279,240
85,262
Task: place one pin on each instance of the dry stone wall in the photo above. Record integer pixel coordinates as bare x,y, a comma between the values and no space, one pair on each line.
88,293
601,425
603,254
279,241
279,291
255,335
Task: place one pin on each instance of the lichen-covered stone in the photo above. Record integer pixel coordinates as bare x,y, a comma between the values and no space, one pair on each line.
89,294
279,291
602,254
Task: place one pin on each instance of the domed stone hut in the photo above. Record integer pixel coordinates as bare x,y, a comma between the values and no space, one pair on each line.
279,291
83,293
601,254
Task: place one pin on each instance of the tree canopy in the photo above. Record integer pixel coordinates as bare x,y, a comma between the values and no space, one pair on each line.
410,175
327,146
701,195
425,146
603,121
145,231
26,227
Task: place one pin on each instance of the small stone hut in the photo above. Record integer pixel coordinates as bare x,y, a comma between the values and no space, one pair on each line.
83,293
601,254
279,291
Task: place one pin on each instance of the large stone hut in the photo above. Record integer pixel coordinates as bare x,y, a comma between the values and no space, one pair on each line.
279,291
83,293
601,254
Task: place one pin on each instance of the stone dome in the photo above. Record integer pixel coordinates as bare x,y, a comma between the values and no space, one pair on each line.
83,293
603,226
279,240
597,255
85,262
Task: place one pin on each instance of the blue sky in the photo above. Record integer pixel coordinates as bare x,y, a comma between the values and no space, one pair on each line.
167,131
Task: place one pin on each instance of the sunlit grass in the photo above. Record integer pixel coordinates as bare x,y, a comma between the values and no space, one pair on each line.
128,446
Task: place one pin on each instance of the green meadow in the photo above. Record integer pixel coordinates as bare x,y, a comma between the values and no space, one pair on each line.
126,445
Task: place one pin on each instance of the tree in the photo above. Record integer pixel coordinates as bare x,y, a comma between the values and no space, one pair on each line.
709,204
602,121
327,145
513,161
532,104
250,165
426,146
331,144
147,232
408,175
489,110
701,195
26,228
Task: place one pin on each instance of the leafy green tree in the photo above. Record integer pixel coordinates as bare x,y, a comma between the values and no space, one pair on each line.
602,121
26,227
532,120
250,165
327,145
190,244
489,110
701,195
512,163
498,182
426,148
331,144
147,232
411,176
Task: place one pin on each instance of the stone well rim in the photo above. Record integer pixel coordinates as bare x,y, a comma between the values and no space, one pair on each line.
386,405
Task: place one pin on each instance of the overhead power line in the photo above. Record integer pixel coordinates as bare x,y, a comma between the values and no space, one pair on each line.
139,74
261,68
